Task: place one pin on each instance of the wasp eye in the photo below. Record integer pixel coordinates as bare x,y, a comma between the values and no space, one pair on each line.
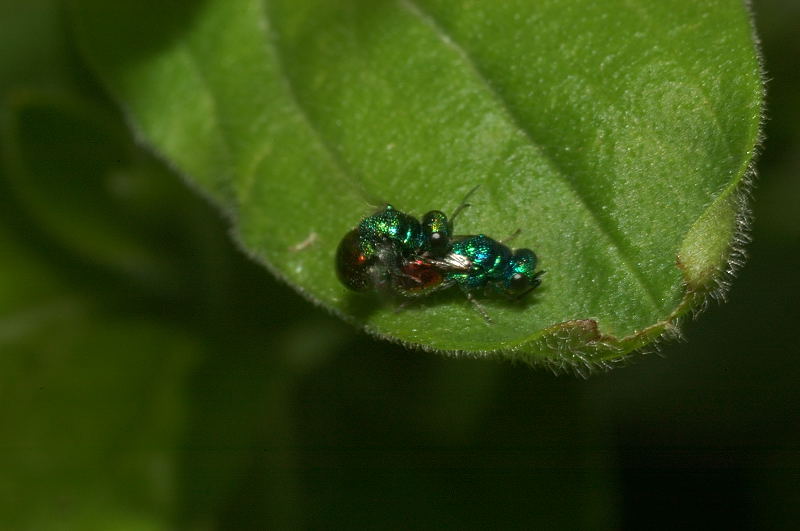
352,266
518,283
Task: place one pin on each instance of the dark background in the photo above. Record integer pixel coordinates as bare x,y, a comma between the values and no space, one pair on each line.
291,419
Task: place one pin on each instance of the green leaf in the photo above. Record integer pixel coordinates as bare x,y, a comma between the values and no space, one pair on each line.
610,133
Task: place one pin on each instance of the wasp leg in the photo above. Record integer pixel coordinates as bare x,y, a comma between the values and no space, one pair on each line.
479,308
522,295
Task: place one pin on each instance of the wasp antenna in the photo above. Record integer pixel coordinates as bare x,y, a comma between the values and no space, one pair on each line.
511,236
472,191
463,203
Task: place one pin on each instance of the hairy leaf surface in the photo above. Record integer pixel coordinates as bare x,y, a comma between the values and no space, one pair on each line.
606,132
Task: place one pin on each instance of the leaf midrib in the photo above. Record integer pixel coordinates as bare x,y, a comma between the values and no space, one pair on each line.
600,224
338,165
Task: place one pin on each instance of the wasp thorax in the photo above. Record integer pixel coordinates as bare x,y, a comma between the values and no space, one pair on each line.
393,252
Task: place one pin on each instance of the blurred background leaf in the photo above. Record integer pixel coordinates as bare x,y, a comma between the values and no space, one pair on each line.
151,377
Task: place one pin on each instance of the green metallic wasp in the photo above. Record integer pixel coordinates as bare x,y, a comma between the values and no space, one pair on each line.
393,251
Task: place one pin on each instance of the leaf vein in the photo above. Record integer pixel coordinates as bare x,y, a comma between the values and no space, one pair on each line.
340,169
602,225
188,54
